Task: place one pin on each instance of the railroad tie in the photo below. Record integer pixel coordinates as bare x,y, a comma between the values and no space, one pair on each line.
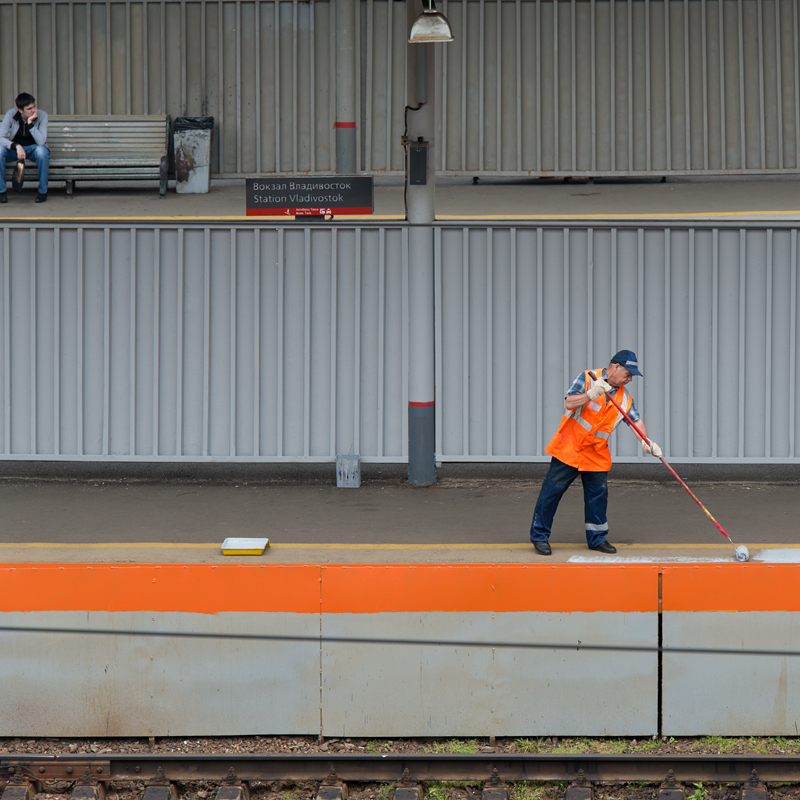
754,789
671,789
580,788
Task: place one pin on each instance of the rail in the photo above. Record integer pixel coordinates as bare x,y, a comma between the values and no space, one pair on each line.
402,767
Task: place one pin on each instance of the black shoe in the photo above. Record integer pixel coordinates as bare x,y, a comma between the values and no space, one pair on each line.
41,198
4,197
604,547
17,176
542,548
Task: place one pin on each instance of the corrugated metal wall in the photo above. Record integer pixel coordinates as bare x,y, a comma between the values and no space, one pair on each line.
264,70
596,87
203,342
711,312
623,87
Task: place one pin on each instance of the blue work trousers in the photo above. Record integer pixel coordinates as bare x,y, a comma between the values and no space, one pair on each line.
595,502
37,152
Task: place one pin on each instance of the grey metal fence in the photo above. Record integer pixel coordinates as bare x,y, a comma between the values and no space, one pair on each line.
712,313
202,342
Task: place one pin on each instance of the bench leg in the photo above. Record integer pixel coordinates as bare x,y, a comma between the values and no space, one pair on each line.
70,188
164,174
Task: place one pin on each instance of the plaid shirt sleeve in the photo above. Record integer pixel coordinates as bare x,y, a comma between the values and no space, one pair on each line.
579,387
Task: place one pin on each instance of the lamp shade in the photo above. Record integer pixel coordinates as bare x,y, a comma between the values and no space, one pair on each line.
430,26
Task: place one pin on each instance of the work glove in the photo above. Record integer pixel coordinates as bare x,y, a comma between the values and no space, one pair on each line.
598,388
652,448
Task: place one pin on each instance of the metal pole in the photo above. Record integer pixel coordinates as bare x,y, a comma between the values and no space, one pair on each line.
345,124
420,94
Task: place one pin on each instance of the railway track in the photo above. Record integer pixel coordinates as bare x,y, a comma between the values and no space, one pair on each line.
21,775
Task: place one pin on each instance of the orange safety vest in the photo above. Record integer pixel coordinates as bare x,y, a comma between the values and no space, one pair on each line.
582,437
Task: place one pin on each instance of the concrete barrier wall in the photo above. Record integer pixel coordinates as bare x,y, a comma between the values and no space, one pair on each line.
740,692
395,650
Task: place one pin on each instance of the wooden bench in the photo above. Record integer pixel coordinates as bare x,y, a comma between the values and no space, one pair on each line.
105,148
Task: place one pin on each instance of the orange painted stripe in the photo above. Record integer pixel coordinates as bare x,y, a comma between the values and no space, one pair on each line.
560,588
354,589
731,587
409,588
197,588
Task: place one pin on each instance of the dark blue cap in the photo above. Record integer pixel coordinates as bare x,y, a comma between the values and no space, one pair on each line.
627,358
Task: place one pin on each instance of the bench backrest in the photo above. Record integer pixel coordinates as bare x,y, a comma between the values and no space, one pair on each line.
108,139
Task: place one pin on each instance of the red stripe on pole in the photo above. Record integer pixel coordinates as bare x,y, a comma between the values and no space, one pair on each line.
344,124
421,405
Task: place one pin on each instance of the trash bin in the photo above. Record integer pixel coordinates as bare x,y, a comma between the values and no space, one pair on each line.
192,140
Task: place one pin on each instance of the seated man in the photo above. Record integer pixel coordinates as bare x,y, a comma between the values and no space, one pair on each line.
23,134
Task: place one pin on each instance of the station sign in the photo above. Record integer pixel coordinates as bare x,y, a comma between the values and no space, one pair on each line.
309,195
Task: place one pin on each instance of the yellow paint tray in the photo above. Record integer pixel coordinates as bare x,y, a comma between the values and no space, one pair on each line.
244,547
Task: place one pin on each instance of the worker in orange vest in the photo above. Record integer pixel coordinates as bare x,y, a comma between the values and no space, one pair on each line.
580,447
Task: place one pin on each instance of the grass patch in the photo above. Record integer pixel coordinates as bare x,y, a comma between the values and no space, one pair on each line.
779,743
647,746
529,790
436,791
719,743
536,790
385,791
454,746
611,746
700,792
443,790
528,745
568,746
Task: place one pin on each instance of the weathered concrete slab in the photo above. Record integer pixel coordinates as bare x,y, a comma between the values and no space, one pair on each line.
59,684
731,694
401,690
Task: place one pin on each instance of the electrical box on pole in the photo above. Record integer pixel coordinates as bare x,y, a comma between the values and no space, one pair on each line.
418,163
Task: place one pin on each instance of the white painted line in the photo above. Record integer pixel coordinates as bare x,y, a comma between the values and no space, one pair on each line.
783,555
646,560
778,556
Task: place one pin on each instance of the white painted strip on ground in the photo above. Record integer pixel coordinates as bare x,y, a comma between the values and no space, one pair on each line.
646,560
782,555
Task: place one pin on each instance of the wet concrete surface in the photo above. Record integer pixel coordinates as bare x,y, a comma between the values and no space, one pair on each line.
459,519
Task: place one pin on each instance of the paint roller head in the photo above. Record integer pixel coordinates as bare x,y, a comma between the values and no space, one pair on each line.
742,553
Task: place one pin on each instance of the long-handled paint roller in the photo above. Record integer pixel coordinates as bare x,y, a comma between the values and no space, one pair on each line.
742,553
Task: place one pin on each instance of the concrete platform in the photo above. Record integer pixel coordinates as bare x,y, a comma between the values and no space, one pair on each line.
729,198
458,520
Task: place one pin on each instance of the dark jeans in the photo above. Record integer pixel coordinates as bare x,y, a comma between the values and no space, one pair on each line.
38,152
595,501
